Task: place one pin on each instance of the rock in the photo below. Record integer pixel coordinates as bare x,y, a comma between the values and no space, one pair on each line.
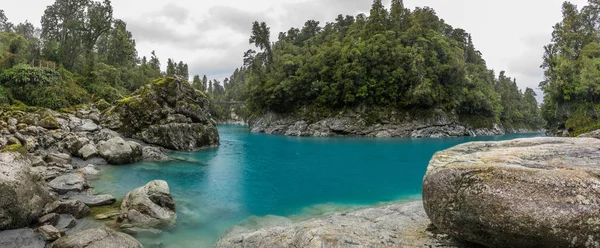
65,222
398,225
95,200
12,121
61,158
593,134
147,232
89,170
150,153
33,130
106,216
118,151
540,192
49,233
49,172
69,182
104,135
74,143
88,151
22,194
150,206
21,238
169,113
49,123
97,238
13,141
73,207
49,219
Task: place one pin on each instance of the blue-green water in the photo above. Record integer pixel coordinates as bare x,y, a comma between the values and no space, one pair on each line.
260,175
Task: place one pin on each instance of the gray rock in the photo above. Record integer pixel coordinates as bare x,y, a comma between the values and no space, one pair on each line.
97,238
592,134
168,113
49,233
61,158
65,222
21,238
73,143
150,206
89,170
49,172
12,121
398,225
86,125
49,123
22,194
49,219
118,151
73,207
94,200
69,182
104,135
150,153
541,192
88,151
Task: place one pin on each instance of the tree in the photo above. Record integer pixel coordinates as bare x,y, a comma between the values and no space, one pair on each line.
171,68
5,25
197,83
204,83
117,48
261,38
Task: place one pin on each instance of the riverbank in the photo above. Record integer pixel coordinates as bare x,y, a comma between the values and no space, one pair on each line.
436,124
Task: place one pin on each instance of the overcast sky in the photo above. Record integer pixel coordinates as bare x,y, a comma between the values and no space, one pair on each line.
211,36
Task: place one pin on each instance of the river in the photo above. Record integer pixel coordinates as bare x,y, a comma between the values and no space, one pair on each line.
252,177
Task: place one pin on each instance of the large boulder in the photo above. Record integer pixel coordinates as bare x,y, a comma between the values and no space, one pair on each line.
21,238
97,238
168,113
69,182
22,194
118,151
149,206
540,192
397,225
72,207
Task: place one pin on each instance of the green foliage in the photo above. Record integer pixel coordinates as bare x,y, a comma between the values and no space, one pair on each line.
399,59
572,71
15,148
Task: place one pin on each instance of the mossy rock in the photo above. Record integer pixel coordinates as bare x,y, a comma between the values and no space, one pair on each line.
15,148
102,105
49,122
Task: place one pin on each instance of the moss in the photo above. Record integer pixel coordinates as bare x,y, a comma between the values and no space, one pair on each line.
15,148
583,120
49,122
102,105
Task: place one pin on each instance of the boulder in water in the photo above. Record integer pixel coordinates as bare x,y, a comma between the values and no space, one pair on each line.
118,151
540,192
150,206
97,238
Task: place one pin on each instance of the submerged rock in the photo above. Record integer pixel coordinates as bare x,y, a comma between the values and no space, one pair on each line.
541,192
149,206
97,238
94,200
72,207
169,113
118,151
398,225
22,195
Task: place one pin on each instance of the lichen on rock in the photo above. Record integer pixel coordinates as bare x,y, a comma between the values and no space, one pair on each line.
168,113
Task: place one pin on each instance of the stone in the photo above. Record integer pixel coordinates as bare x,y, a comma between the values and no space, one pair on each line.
540,192
145,232
21,238
88,151
89,170
150,206
168,113
13,141
106,216
61,158
94,200
592,134
73,207
97,238
104,135
49,123
118,151
22,193
74,143
86,125
49,219
396,225
49,172
150,153
12,121
65,222
49,233
69,182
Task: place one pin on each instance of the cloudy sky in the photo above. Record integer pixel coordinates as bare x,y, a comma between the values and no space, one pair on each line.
211,36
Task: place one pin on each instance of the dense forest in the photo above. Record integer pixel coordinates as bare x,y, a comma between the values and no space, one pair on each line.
572,71
80,55
397,59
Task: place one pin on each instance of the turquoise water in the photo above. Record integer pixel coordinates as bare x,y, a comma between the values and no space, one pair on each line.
256,175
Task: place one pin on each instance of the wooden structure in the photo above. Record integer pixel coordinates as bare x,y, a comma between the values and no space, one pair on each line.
43,63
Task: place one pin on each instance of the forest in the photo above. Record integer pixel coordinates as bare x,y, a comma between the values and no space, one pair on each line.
572,71
400,59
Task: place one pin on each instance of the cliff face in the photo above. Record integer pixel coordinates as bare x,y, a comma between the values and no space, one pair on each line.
436,124
168,113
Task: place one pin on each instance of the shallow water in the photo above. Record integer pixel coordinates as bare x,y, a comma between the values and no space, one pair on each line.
251,176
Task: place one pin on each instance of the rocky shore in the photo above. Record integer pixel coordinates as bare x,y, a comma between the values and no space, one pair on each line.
437,125
48,156
540,192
